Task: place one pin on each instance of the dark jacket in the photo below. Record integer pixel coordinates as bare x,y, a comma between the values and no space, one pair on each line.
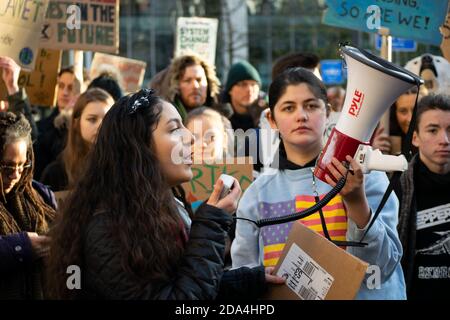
15,253
51,142
407,220
46,194
55,176
199,272
19,273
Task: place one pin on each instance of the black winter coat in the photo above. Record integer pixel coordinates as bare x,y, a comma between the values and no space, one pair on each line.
200,274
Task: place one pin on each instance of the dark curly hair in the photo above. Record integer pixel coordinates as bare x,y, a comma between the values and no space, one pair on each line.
123,178
26,211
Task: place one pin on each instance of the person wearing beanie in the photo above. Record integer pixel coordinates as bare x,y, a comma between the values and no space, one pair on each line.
242,91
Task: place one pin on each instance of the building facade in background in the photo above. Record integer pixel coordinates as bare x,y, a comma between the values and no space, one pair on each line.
256,30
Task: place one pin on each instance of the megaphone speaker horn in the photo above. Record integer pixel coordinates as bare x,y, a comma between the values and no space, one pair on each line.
373,86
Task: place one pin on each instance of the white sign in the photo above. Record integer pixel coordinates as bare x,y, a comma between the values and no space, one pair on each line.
305,276
197,35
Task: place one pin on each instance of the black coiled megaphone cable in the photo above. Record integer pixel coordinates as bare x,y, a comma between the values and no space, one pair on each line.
302,214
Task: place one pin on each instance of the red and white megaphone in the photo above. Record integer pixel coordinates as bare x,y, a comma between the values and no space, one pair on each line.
373,86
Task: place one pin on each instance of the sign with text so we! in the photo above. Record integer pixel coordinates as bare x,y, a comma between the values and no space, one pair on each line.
410,19
20,25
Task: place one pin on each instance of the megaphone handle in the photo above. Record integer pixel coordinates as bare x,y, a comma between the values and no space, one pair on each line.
387,193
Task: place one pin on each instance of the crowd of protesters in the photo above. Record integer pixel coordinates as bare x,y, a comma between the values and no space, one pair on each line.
126,222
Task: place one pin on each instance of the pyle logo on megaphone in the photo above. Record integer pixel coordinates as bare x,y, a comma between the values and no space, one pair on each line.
357,101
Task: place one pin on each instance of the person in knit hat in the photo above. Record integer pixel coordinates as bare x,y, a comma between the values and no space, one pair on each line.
242,91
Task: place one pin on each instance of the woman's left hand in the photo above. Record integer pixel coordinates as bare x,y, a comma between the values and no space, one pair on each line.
273,278
353,193
354,186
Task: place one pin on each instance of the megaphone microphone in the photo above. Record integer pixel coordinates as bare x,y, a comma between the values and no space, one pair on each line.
374,84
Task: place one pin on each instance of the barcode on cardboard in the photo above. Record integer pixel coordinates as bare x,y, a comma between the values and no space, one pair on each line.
309,268
307,293
304,276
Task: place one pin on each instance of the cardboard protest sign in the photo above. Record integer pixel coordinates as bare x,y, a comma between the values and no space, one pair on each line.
82,24
316,269
20,25
197,35
40,84
206,175
129,72
418,19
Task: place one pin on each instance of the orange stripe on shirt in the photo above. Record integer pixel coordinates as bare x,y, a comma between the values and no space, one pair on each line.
272,253
334,213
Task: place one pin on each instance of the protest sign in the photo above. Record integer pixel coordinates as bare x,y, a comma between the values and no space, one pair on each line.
82,24
40,84
206,175
197,35
129,72
409,19
20,25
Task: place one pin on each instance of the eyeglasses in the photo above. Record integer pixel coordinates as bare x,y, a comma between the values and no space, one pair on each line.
8,170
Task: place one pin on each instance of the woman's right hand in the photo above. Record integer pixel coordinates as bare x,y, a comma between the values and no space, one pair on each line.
228,203
40,245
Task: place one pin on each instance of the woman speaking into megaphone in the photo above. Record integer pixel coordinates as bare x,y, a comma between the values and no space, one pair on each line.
298,110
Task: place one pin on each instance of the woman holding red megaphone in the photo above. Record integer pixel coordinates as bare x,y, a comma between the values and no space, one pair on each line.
298,110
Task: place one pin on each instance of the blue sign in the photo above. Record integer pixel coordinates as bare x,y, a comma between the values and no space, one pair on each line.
419,19
398,44
332,71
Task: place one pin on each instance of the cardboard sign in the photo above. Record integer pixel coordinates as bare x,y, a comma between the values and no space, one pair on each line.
129,72
40,84
418,19
82,24
316,269
206,175
20,25
197,35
